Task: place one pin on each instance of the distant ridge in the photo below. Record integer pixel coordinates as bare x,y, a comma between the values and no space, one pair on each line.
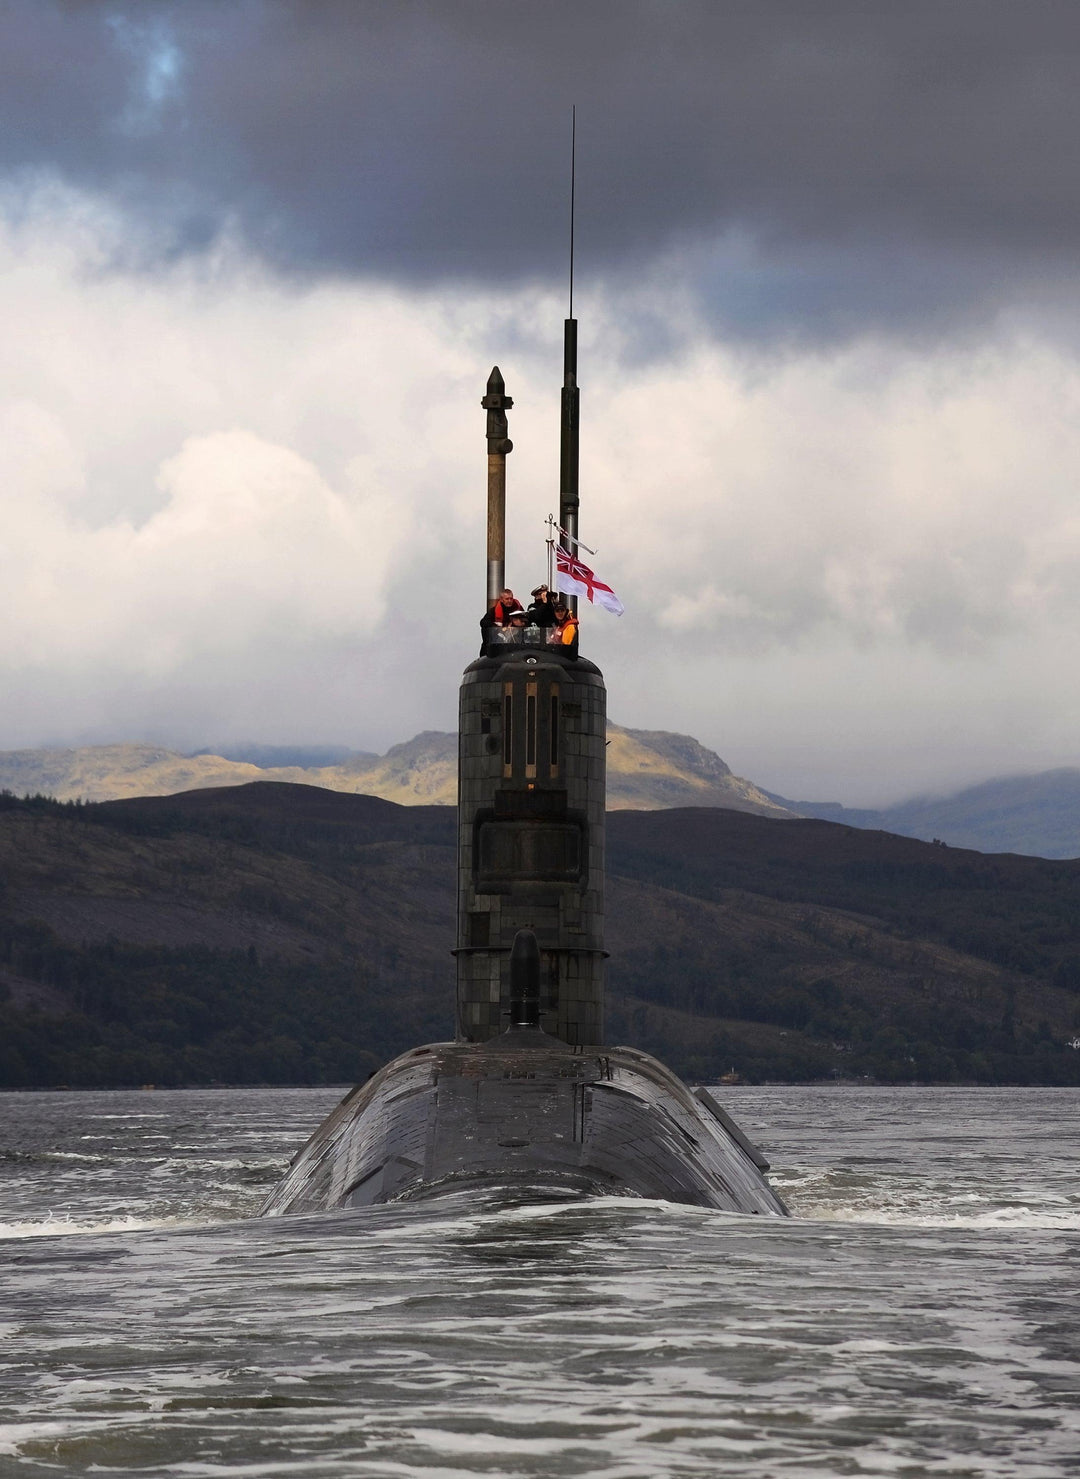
1037,815
647,770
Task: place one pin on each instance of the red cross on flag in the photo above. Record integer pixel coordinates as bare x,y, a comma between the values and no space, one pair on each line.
573,578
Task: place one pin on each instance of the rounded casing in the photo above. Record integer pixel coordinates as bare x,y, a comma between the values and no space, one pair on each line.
531,768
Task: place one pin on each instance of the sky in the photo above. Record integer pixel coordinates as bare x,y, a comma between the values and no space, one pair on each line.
257,259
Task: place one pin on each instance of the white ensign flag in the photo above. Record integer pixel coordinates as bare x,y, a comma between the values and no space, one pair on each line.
573,578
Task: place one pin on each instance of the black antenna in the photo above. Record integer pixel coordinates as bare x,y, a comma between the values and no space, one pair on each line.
573,184
568,452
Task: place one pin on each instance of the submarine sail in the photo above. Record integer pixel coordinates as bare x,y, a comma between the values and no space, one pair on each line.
528,1096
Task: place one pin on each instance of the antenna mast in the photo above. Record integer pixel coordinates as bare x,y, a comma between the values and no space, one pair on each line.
573,191
496,403
568,460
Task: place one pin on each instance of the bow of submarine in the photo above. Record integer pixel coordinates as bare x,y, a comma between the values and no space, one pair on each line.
528,1114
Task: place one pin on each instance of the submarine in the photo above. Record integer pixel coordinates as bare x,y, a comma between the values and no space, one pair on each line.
528,1098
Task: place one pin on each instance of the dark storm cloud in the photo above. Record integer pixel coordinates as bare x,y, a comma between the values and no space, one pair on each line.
833,163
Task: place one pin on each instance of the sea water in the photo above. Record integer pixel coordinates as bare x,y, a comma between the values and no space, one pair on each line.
919,1315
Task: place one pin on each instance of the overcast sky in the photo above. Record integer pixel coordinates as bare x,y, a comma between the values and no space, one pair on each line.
257,259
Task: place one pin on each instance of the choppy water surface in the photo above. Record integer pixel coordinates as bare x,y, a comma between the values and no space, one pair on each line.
920,1316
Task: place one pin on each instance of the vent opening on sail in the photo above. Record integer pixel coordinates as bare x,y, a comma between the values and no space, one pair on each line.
508,730
530,731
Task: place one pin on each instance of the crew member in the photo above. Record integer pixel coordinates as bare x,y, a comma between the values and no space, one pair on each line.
541,612
565,633
505,607
497,617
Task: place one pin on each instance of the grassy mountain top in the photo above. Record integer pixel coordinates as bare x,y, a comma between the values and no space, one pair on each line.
286,933
651,768
646,768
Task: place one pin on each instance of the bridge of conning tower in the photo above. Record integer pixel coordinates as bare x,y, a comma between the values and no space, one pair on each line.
531,838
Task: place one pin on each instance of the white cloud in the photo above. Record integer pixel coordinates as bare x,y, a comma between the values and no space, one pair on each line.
932,504
234,505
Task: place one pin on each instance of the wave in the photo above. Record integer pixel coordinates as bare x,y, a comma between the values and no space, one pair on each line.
442,1217
60,1227
50,1157
1005,1219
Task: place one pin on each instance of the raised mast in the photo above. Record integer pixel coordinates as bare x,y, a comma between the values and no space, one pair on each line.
568,448
496,403
568,459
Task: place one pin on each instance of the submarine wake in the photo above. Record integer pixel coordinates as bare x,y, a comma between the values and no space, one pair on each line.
470,1334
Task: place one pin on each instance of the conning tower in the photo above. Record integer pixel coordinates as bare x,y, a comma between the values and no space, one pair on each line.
531,794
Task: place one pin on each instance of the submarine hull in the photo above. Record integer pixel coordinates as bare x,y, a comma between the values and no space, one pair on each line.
527,1111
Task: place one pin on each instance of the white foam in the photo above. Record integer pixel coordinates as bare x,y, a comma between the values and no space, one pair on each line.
13,1435
72,1155
1004,1218
60,1227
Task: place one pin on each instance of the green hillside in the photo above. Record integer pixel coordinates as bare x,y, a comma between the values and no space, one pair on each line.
285,933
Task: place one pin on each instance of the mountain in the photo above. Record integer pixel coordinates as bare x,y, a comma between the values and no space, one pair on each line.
287,933
651,768
1034,814
271,757
422,771
646,769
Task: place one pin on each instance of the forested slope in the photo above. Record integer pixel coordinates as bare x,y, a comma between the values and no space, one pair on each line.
284,933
